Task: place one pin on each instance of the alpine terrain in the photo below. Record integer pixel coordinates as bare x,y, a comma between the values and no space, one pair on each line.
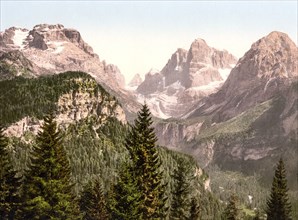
197,140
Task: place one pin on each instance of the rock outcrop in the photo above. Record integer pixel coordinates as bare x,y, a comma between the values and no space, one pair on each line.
55,49
136,81
187,77
72,107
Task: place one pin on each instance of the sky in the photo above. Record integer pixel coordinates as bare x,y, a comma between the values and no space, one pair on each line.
140,35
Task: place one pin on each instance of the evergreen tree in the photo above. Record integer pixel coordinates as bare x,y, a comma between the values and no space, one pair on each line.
232,212
47,192
93,202
278,205
9,183
125,198
180,207
141,144
194,209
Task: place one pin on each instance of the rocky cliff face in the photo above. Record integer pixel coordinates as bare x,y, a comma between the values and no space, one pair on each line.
252,120
72,107
55,49
136,81
187,77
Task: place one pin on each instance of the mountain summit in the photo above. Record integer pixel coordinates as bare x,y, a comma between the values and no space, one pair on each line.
55,49
188,76
252,119
269,66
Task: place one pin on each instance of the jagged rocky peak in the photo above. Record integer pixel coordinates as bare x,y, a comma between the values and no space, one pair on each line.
270,61
176,62
187,76
135,81
113,71
203,63
268,68
42,36
275,55
45,33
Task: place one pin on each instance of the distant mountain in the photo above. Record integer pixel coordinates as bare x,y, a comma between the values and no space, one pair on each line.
136,81
187,77
55,49
51,49
252,120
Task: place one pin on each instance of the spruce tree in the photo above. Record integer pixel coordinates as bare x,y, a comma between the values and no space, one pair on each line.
194,209
9,183
125,198
93,202
47,191
278,205
141,144
232,212
180,206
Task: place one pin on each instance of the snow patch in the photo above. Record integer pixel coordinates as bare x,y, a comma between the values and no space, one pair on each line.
19,38
210,86
57,46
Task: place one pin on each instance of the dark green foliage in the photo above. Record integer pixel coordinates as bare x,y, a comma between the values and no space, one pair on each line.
91,152
141,144
180,207
47,191
9,183
278,205
125,197
22,97
194,209
93,202
232,211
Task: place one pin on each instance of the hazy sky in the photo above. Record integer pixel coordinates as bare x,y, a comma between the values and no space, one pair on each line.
140,35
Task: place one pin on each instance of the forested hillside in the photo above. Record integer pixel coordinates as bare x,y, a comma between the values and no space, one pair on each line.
97,150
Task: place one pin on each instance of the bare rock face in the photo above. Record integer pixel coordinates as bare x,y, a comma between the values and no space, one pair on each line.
73,107
268,67
187,77
54,49
136,81
114,72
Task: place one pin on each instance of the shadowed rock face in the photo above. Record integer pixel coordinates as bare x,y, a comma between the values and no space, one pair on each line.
187,77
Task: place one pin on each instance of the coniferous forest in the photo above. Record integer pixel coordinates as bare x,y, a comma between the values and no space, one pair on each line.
111,171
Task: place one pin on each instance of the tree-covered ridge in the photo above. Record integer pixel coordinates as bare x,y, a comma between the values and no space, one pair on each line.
101,155
22,97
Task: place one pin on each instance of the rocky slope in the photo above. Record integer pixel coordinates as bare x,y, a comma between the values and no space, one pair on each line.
51,49
58,49
252,120
73,96
187,77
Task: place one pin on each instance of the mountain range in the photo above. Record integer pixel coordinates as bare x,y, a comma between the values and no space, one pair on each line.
236,114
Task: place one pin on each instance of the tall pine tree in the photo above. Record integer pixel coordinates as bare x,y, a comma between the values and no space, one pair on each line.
47,192
9,183
278,205
93,202
141,144
125,198
180,206
232,211
194,209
